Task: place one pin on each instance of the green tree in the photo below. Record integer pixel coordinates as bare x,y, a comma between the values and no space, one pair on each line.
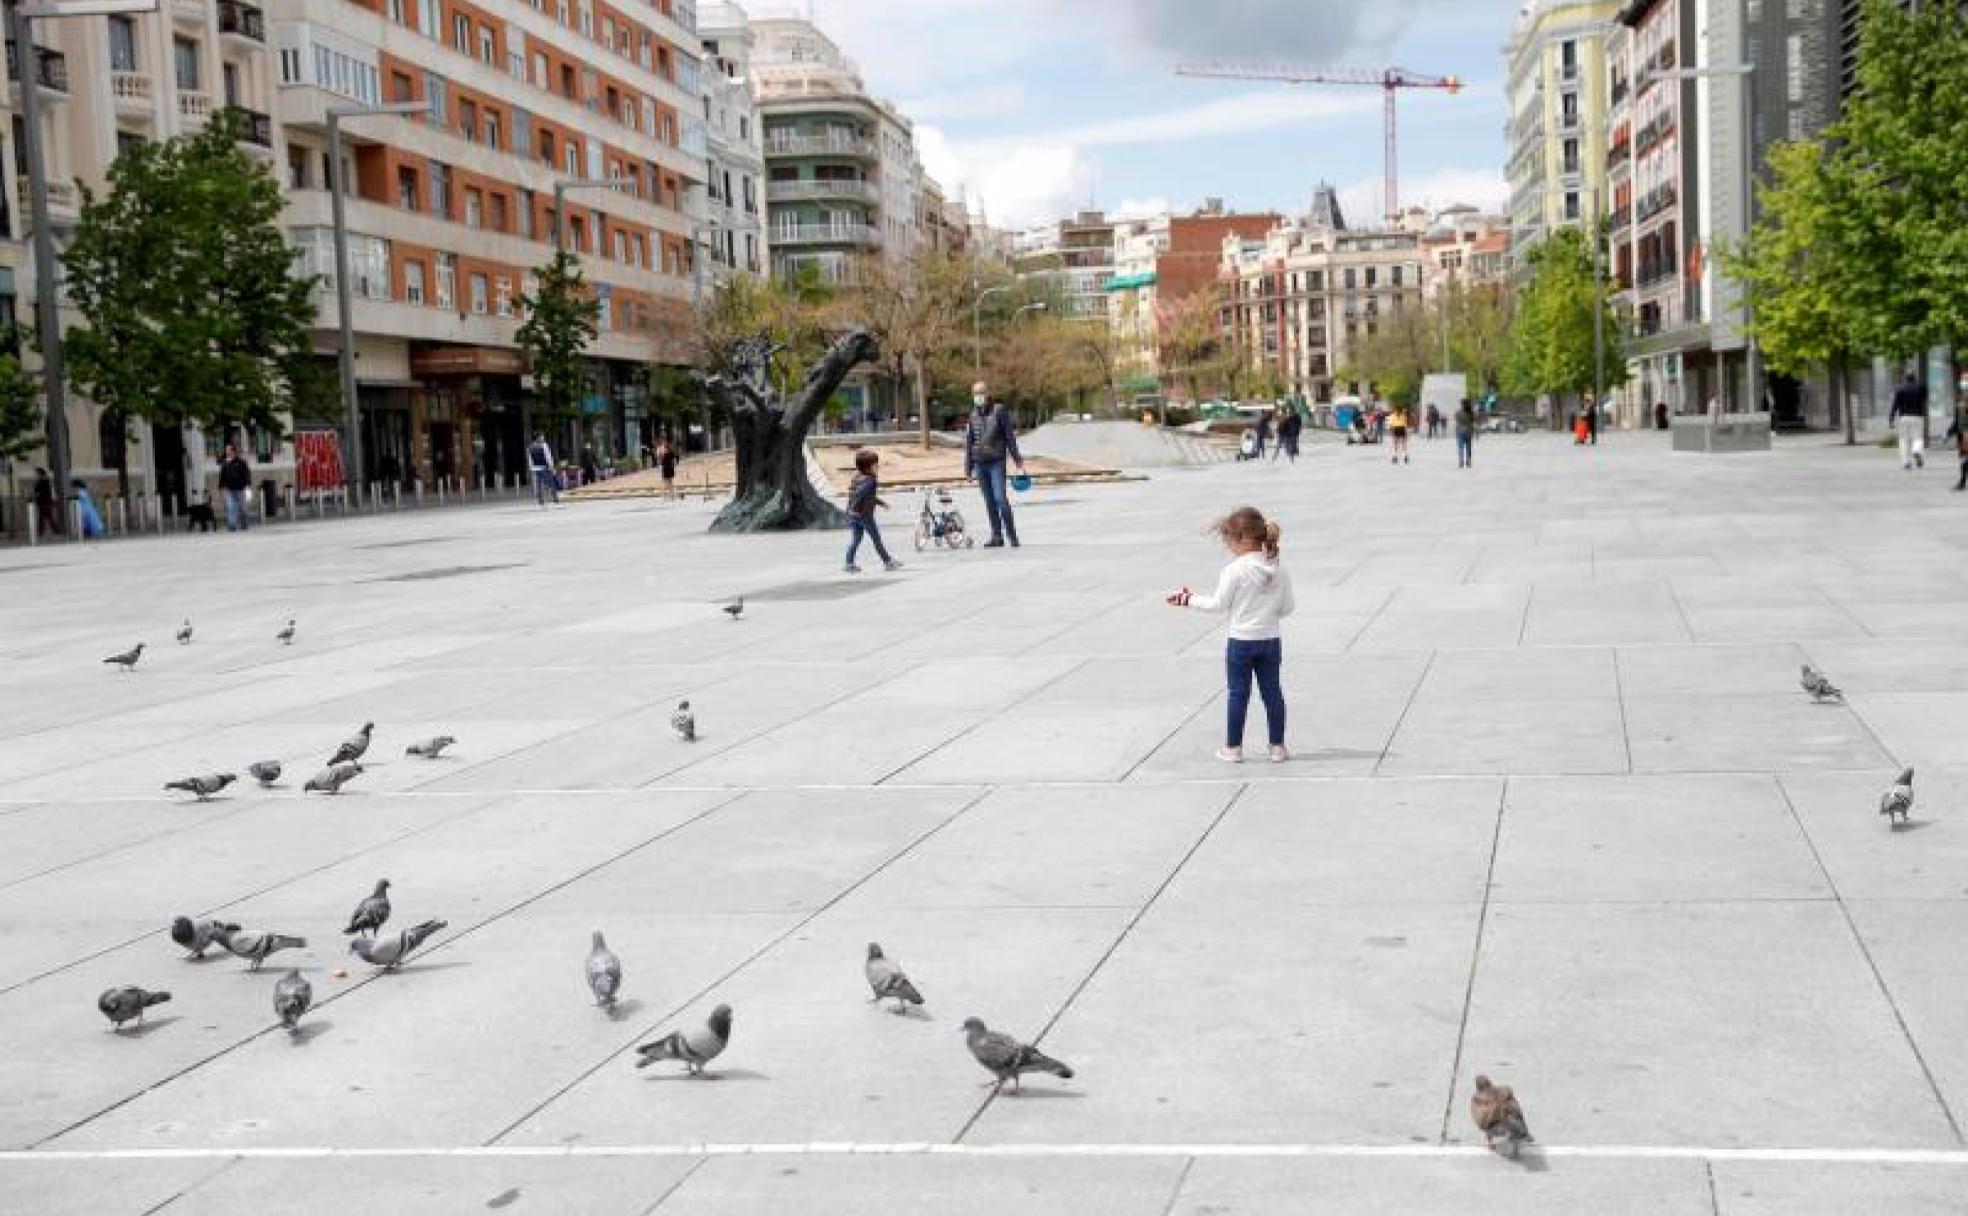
22,420
916,311
1551,335
562,318
1190,344
1478,319
191,311
1404,345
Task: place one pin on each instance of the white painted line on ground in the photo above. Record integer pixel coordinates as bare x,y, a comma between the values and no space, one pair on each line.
1603,1152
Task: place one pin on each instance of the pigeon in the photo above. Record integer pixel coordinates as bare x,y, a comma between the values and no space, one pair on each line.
885,978
684,723
1897,802
430,749
604,972
1821,689
695,1048
735,609
291,998
119,1005
266,772
198,935
184,632
255,944
370,914
203,786
331,780
389,952
1499,1118
1006,1058
353,746
128,659
286,636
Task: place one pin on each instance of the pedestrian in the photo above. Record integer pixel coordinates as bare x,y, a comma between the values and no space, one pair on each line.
863,499
539,457
1959,434
666,462
50,522
85,511
1578,427
1397,425
1465,426
1592,419
235,482
1255,593
988,439
1263,433
1434,419
1910,417
590,467
1288,432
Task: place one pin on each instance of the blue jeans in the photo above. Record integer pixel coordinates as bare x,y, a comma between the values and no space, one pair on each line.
857,527
1465,447
235,501
1241,661
544,486
997,508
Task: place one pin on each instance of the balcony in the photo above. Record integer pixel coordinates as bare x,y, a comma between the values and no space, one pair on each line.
255,128
63,208
833,144
189,11
1652,203
814,188
826,234
50,69
133,93
194,107
241,21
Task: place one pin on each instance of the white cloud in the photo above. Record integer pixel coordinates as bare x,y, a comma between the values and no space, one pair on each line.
1013,185
990,101
1482,188
1141,208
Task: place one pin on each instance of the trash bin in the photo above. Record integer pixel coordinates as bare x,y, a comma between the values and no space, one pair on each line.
270,495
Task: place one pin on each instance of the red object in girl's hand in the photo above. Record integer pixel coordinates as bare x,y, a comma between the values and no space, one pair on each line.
1180,599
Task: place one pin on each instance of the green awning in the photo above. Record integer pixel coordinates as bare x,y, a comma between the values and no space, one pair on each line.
1128,282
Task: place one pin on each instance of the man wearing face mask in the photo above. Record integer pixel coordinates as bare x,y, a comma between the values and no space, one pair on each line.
988,439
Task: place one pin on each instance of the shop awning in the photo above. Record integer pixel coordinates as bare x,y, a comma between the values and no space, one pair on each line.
1128,282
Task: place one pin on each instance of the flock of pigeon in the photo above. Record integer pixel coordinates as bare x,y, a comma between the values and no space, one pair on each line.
1897,802
343,767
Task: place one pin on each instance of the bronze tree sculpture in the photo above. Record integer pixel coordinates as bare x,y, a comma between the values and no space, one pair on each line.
773,493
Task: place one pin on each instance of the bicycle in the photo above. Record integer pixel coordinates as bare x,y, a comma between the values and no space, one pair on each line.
941,523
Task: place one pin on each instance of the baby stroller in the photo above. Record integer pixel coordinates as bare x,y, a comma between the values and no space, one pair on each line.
941,523
1247,448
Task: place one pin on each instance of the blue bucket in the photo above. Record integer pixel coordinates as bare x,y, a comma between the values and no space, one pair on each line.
1021,482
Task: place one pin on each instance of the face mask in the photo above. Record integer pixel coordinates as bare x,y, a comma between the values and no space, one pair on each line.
977,399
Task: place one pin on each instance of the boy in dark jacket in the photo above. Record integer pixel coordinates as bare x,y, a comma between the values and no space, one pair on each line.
863,496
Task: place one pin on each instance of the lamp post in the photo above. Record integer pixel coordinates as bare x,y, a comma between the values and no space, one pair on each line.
977,324
697,232
561,187
47,309
344,306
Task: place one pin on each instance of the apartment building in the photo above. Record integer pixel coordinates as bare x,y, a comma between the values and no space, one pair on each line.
942,225
449,214
1070,259
1465,248
732,224
1557,91
1158,261
843,181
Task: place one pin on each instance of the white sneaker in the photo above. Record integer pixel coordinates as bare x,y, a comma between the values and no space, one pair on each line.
1230,755
1279,755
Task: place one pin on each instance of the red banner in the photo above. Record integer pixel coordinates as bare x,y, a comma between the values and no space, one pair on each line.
318,459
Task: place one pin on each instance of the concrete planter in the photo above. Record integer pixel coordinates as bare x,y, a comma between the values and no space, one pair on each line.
1729,433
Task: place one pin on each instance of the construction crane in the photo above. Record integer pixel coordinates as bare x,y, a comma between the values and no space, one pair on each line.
1390,81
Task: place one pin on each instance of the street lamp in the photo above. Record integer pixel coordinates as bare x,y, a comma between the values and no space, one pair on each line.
697,232
344,308
47,310
1036,306
977,324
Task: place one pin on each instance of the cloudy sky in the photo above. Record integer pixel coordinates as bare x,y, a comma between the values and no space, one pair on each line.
1041,107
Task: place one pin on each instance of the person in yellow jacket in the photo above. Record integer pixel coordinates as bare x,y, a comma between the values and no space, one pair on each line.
1397,426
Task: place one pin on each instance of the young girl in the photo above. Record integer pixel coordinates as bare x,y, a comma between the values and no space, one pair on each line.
1255,593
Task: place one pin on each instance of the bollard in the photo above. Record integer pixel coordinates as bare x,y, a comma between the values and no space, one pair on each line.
481,489
122,517
33,524
157,512
418,491
440,491
74,520
396,496
293,501
317,504
261,500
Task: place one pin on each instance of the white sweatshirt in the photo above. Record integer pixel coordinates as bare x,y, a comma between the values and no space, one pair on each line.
1255,592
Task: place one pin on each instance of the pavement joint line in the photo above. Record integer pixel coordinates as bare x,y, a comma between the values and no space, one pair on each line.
1843,611
1619,691
186,1190
1475,959
112,850
377,974
1524,621
676,1186
1114,947
1368,623
1872,965
1407,708
1682,612
1714,1199
1105,607
771,944
1945,1158
1000,712
1164,741
1181,1181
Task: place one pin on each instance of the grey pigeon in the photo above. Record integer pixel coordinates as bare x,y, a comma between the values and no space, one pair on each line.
1897,802
291,998
885,978
204,786
197,936
604,972
695,1048
1499,1118
353,746
1006,1058
370,914
128,659
119,1005
266,772
735,609
389,952
184,632
286,636
684,723
1821,689
254,945
331,780
430,749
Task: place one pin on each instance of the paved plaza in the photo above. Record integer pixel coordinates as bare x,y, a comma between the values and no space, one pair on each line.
1558,813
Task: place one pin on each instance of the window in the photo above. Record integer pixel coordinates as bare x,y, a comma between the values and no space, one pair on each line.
413,282
1349,278
567,88
440,189
541,76
491,128
474,207
298,165
406,188
437,93
184,57
1571,204
503,295
573,151
1568,60
1373,276
621,245
461,33
396,12
345,75
468,118
122,44
587,18
428,22
1396,276
1571,156
499,209
525,210
547,146
480,294
488,46
447,279
1568,110
229,73
577,233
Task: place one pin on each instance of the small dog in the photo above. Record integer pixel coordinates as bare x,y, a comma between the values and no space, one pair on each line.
199,516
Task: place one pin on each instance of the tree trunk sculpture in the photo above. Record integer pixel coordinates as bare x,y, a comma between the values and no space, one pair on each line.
773,494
